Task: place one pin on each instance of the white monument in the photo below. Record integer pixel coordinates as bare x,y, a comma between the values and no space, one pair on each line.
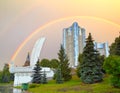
36,51
23,74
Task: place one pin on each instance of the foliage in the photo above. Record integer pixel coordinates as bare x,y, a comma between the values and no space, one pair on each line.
90,68
45,63
0,76
12,76
37,75
80,59
5,78
5,75
44,79
102,59
49,63
54,63
59,79
112,67
115,47
64,65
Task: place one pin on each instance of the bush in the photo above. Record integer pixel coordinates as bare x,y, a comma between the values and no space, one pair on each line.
112,67
115,81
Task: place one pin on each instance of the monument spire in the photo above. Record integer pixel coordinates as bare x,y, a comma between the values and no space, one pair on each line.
27,62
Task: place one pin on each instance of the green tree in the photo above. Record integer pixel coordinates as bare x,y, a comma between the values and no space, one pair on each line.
80,59
64,65
44,80
54,63
59,79
115,47
102,59
45,63
90,68
112,67
0,76
6,74
37,75
12,76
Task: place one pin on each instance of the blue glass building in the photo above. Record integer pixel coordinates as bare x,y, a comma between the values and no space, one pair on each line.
73,42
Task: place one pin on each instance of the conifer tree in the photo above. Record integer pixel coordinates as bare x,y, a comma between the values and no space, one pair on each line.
91,69
59,79
44,80
37,75
64,64
115,47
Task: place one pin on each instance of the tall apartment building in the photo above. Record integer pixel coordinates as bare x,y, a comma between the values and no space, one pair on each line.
73,42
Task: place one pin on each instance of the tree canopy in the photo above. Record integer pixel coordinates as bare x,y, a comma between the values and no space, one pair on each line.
112,67
115,47
5,78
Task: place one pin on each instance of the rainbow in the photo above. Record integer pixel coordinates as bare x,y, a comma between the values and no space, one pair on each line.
55,21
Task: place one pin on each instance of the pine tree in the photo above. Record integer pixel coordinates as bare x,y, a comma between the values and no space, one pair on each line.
115,47
59,79
91,69
64,65
44,80
37,76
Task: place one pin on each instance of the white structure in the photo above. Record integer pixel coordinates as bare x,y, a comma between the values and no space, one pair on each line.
103,48
36,51
23,74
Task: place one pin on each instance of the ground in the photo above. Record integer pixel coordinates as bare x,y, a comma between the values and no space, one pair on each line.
75,86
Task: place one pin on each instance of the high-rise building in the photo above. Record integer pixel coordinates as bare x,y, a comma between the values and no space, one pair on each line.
73,42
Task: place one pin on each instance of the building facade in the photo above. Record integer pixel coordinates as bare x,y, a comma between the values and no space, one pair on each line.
73,42
103,48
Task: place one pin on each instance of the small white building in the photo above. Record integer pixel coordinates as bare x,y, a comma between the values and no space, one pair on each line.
24,74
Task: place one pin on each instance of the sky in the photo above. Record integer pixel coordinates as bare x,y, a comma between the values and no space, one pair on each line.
29,20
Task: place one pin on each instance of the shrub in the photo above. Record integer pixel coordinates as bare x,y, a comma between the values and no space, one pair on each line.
112,67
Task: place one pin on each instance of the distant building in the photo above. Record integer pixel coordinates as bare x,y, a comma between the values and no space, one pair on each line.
73,42
103,48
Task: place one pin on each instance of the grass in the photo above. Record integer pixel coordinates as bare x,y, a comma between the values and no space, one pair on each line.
75,86
6,84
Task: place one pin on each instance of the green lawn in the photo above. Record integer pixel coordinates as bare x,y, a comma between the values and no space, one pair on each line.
75,86
6,84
